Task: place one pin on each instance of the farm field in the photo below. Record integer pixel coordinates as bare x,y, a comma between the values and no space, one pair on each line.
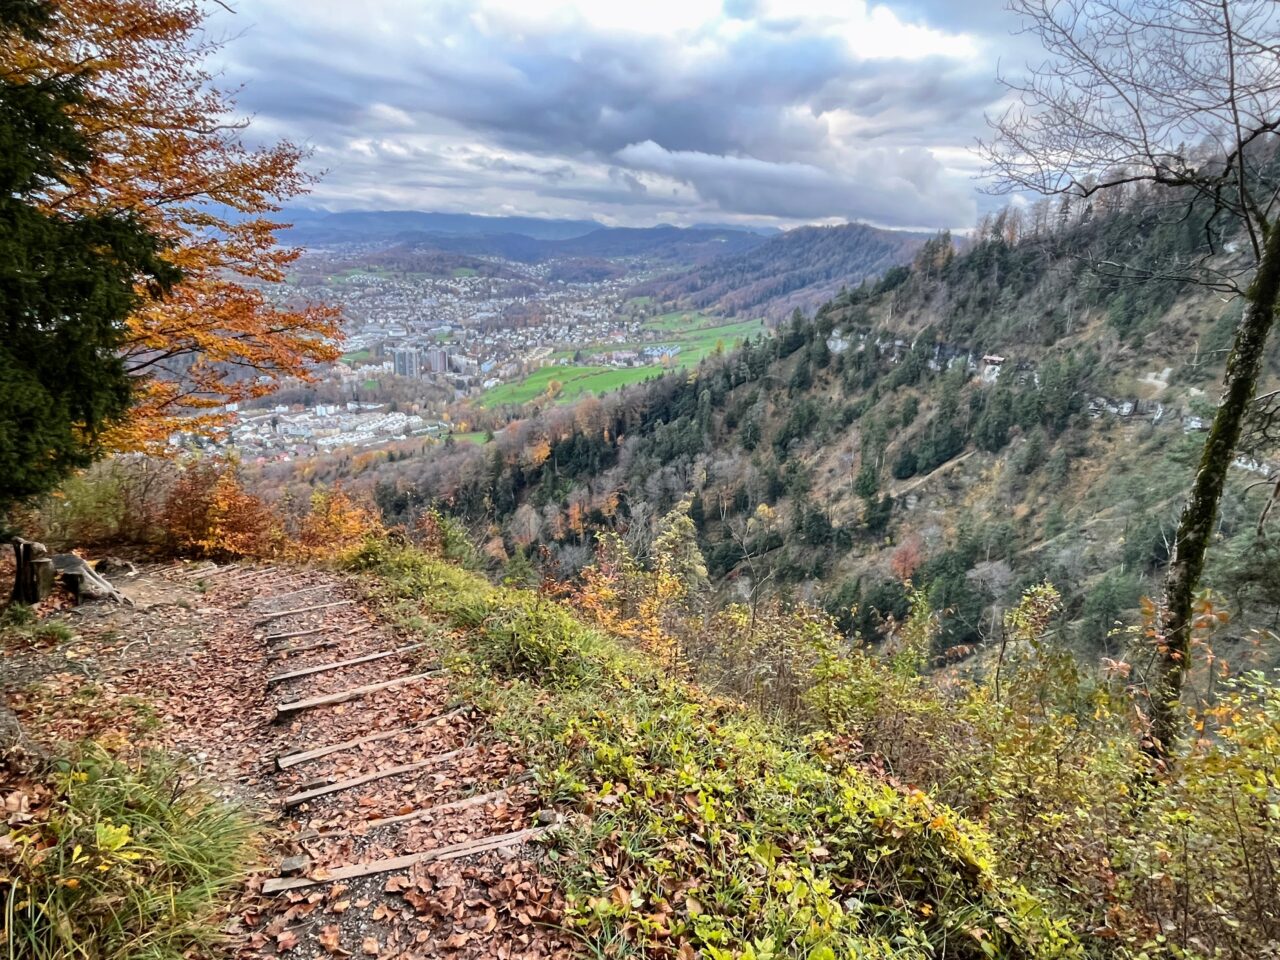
575,380
696,334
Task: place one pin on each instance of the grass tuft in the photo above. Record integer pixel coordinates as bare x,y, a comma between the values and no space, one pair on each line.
120,862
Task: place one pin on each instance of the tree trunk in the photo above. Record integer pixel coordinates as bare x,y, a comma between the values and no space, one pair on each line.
34,575
1200,513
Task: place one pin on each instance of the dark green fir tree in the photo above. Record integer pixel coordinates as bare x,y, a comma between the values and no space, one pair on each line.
67,282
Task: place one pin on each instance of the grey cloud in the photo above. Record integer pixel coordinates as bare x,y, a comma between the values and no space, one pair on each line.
891,188
750,123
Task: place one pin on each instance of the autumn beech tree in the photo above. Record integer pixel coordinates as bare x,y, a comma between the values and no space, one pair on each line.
1180,98
168,151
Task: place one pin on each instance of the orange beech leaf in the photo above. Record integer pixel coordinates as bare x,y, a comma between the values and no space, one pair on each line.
170,152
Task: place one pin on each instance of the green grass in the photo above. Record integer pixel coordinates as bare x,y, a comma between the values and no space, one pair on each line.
696,334
128,861
464,271
698,826
471,436
574,380
369,384
359,356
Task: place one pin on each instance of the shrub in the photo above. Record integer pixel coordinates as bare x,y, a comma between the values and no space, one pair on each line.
209,513
533,637
334,526
120,862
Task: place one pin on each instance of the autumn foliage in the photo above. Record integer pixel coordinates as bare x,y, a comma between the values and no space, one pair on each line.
170,153
334,525
209,513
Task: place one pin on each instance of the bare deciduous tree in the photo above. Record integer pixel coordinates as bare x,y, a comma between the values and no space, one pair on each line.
1181,97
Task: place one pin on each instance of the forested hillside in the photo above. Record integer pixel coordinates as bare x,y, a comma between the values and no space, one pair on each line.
801,268
978,423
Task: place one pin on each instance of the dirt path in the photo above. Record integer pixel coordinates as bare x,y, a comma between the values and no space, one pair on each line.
399,828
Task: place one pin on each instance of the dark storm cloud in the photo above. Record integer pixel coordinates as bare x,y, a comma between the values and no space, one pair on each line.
772,116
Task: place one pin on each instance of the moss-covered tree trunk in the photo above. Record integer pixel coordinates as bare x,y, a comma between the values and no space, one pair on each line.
1200,513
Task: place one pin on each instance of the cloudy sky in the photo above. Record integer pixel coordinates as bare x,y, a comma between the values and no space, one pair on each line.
632,112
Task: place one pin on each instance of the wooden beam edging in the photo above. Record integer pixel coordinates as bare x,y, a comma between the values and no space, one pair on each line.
450,852
287,760
355,693
295,799
338,664
268,617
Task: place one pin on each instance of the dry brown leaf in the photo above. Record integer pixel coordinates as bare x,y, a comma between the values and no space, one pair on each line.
330,938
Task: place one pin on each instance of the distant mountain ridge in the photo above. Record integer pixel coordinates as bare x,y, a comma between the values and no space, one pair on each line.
361,226
801,268
727,269
664,246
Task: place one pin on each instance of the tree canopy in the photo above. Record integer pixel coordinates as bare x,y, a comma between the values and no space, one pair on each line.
69,278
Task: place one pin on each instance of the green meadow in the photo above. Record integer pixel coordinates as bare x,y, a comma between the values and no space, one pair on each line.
696,334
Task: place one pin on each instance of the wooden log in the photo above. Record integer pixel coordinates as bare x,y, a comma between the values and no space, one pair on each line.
287,760
302,796
266,618
424,812
451,852
281,653
250,573
195,572
292,593
419,814
46,576
34,572
339,664
272,637
354,693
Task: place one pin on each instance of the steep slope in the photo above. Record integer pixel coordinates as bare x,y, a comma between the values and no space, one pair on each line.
977,423
800,268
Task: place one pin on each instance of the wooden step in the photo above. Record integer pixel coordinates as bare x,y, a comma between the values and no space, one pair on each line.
295,799
450,852
339,664
293,593
419,814
287,760
283,652
355,693
268,617
273,637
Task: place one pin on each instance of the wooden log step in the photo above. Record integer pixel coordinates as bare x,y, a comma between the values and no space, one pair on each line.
266,618
328,628
424,812
292,593
195,572
272,637
233,572
281,652
284,709
303,796
450,852
287,760
339,664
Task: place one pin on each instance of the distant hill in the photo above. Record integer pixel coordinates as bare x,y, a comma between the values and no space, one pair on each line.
801,268
368,226
664,245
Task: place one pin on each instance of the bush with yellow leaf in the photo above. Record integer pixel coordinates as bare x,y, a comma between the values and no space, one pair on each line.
335,525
